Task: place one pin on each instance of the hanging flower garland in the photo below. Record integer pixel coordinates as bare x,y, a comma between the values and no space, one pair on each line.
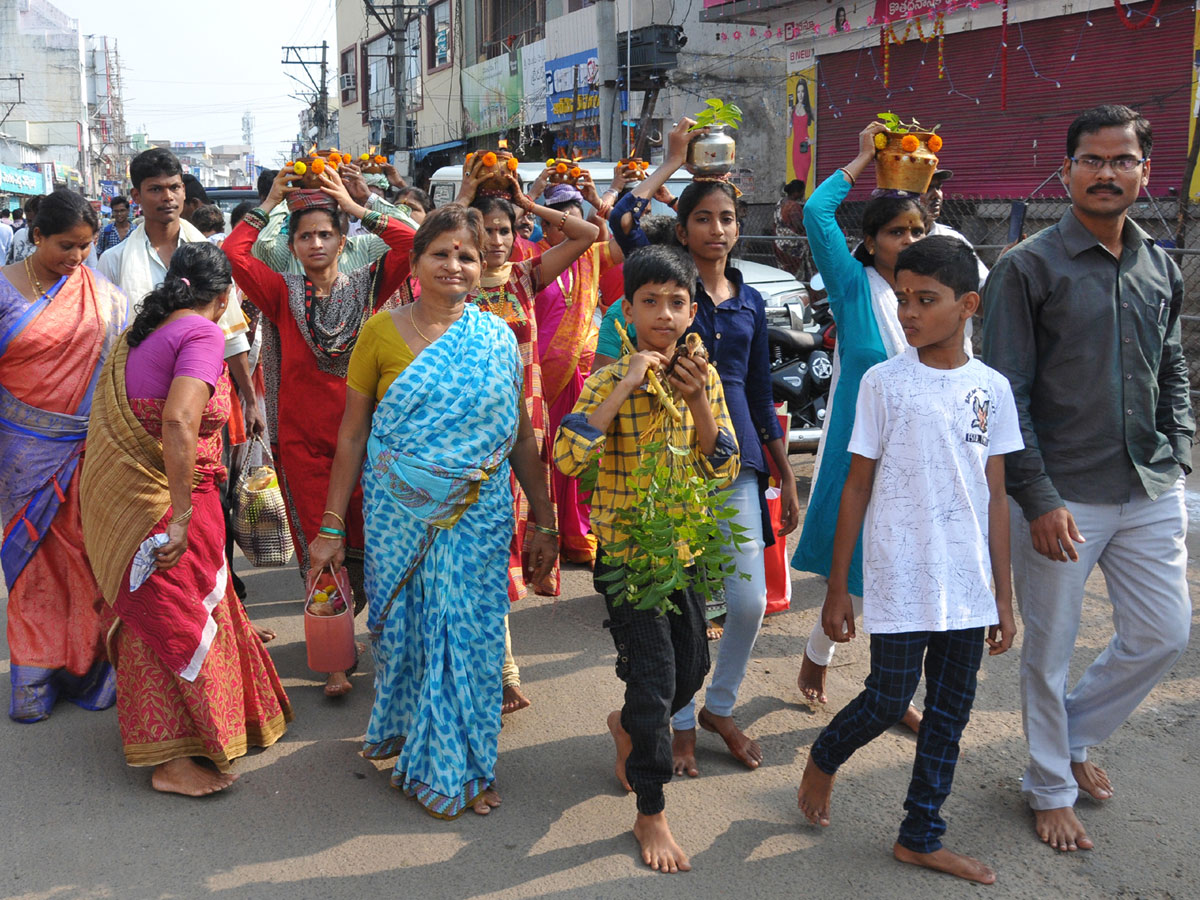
887,37
1123,15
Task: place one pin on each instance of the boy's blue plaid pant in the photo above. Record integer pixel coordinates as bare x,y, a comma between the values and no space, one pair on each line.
951,661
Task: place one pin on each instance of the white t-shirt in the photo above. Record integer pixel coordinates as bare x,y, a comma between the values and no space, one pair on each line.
926,565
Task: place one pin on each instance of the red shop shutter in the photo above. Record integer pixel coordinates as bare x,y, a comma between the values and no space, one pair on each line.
1008,153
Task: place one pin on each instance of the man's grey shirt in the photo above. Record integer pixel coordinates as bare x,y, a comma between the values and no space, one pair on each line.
1091,346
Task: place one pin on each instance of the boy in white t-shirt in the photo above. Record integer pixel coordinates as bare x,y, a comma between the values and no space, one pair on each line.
927,473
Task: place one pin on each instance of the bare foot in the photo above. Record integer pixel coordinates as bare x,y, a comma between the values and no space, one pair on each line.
715,631
337,685
513,699
266,635
183,776
683,752
1061,829
624,746
816,789
912,719
1093,779
486,802
659,850
811,681
743,748
947,861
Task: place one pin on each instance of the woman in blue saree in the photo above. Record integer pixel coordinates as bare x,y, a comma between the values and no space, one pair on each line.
58,322
434,406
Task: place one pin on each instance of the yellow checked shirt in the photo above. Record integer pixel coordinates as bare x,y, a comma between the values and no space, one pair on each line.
577,443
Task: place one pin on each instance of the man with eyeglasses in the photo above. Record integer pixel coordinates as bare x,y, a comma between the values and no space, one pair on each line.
1083,318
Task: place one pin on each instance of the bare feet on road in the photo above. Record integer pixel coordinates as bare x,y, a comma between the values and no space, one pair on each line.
816,789
947,861
743,748
683,752
513,699
486,802
1061,829
337,685
266,635
184,776
912,719
624,746
811,681
1092,779
659,850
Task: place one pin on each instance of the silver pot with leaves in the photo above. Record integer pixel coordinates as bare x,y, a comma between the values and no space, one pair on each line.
715,151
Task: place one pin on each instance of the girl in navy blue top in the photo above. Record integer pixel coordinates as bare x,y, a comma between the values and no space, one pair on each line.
731,318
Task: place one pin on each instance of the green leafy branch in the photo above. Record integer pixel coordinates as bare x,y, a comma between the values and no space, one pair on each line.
718,112
674,523
894,125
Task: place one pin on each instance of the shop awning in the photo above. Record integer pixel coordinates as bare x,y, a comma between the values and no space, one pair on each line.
419,153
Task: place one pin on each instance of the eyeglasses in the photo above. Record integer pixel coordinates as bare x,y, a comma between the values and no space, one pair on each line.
1096,163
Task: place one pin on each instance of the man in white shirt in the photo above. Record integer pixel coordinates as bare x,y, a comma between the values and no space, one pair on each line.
932,201
6,232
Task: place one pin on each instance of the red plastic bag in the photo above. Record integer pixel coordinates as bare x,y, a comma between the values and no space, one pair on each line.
775,559
330,639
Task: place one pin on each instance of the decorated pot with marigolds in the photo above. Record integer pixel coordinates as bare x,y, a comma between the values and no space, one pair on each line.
633,168
372,163
494,167
306,170
563,171
906,161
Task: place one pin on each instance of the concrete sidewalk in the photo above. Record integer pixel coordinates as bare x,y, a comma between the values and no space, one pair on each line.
311,819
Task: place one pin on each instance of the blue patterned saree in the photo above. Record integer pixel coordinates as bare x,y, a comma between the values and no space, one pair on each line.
439,515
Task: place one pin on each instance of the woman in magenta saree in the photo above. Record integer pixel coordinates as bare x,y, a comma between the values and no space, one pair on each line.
58,323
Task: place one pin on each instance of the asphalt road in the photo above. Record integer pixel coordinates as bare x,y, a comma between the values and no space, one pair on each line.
311,819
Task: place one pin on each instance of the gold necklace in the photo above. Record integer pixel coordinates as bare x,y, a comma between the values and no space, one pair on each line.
412,320
33,280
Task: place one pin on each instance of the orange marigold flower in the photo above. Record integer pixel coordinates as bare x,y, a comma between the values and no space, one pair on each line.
318,166
489,159
880,141
934,143
346,157
643,164
512,163
333,162
576,171
561,168
380,160
909,143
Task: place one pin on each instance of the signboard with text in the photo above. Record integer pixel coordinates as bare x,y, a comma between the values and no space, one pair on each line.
898,10
571,87
21,181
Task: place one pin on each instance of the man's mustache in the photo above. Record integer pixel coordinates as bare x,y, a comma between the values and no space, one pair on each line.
1105,189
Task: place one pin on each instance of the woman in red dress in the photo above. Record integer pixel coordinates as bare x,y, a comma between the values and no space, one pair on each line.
312,324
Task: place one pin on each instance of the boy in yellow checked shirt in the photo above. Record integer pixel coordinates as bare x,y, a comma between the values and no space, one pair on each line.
661,657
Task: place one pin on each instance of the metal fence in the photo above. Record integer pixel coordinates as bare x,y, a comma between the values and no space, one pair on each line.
985,222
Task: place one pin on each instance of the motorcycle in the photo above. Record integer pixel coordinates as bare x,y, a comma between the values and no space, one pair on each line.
801,351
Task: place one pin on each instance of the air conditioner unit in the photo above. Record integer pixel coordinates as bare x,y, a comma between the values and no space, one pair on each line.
348,81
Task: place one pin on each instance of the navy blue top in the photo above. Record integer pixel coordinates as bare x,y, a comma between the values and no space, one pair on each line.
735,333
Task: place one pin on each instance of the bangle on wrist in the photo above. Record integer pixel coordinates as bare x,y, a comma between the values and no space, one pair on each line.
846,172
183,518
335,532
330,512
329,537
542,529
563,221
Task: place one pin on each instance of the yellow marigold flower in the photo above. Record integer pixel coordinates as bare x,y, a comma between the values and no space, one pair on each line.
880,141
909,143
934,143
299,168
366,157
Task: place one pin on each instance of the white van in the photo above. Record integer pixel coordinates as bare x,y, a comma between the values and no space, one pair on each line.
779,289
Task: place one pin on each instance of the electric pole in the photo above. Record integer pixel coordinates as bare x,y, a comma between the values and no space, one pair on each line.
319,82
392,18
